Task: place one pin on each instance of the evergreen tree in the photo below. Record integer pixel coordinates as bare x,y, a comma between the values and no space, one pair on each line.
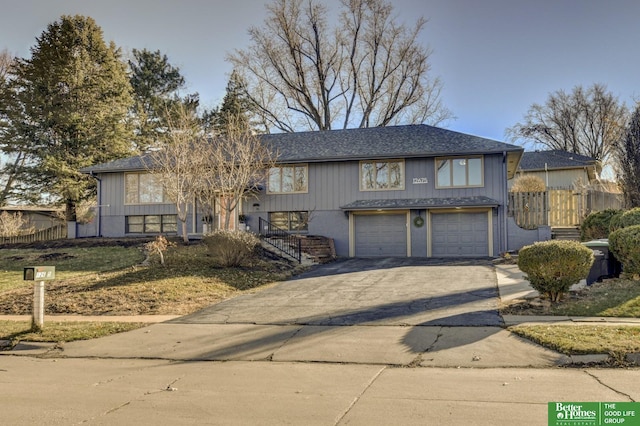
629,160
234,111
69,108
11,160
156,85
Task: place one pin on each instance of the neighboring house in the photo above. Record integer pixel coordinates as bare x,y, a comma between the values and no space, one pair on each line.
388,191
559,169
573,191
37,217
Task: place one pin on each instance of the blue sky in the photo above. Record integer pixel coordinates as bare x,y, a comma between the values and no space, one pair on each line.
495,57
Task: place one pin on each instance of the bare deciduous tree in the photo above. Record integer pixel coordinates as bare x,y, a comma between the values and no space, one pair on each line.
528,183
586,121
177,163
6,59
13,224
368,71
237,165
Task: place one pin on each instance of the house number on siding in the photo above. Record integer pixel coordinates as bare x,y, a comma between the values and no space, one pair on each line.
420,181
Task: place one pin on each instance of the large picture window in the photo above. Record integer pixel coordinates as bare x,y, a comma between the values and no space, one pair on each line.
143,188
288,179
459,172
381,175
151,224
290,221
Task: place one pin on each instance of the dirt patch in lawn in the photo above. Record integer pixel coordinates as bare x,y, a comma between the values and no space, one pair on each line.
188,281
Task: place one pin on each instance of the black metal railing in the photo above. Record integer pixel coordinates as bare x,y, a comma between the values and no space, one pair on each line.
280,239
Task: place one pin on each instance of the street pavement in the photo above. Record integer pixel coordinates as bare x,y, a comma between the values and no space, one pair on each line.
390,341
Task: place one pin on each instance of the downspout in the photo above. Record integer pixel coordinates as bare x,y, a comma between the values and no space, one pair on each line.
546,175
505,197
99,206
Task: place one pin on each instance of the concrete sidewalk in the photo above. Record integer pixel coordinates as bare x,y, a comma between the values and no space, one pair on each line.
158,392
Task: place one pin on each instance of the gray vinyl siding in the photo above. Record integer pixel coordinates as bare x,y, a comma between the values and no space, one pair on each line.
114,210
332,185
335,184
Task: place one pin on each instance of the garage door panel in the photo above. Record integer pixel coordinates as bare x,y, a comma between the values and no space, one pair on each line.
380,235
459,234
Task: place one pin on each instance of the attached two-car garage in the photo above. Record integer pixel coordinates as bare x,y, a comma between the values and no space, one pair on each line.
448,234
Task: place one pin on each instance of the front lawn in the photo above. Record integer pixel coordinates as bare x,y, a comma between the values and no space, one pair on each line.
13,332
609,298
583,339
113,281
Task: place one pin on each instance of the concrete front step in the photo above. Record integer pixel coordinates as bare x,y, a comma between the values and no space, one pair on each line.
565,234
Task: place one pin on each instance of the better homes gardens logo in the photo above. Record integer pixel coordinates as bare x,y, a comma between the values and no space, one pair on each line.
594,413
575,414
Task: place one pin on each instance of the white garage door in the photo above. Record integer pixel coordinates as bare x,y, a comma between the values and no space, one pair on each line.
381,235
459,234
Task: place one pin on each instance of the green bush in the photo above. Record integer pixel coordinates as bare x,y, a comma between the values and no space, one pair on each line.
625,246
596,225
614,223
630,218
231,248
552,267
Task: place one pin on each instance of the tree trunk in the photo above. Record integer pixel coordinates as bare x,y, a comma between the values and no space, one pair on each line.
185,234
70,211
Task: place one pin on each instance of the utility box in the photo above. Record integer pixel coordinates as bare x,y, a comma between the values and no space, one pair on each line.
39,273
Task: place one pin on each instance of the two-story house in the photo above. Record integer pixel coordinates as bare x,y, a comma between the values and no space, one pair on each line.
412,190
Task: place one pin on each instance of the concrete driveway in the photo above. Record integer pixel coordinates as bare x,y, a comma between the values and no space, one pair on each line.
392,311
387,291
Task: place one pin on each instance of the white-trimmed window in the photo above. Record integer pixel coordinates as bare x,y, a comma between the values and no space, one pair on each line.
151,224
290,221
381,175
143,188
459,172
288,179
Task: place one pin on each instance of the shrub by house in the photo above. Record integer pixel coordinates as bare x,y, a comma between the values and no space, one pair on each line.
230,248
625,245
596,225
552,267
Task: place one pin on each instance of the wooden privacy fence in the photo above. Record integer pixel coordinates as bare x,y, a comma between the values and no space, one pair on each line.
559,207
566,207
529,209
54,233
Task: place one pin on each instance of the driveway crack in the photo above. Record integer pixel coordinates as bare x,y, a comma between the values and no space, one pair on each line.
417,361
284,342
438,336
597,379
